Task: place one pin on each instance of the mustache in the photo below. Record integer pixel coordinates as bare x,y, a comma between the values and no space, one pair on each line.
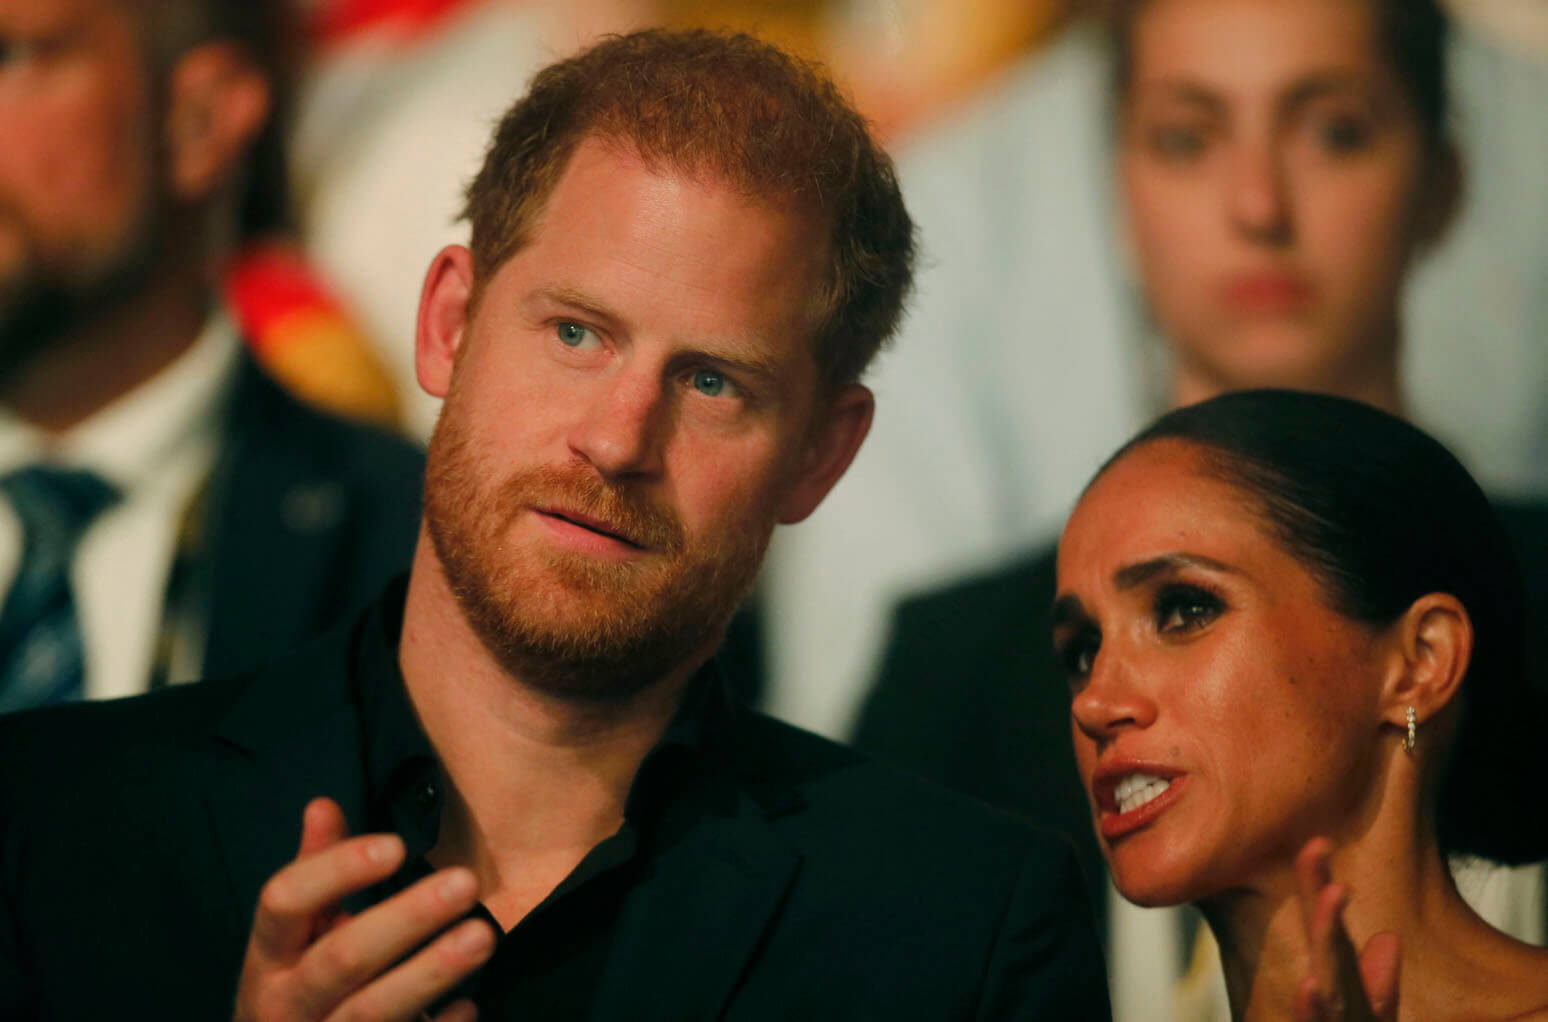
575,489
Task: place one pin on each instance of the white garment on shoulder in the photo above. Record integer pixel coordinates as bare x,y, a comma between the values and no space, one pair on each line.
387,137
1013,376
156,444
1022,364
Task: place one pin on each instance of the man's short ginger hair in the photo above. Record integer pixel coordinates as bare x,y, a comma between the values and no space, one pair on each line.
730,106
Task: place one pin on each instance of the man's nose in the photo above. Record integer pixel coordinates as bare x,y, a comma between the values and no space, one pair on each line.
622,429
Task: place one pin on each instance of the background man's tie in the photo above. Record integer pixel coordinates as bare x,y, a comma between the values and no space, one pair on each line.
42,660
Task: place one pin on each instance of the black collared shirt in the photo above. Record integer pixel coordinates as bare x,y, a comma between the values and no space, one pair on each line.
548,966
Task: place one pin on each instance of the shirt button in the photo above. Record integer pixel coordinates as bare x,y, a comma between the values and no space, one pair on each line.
427,796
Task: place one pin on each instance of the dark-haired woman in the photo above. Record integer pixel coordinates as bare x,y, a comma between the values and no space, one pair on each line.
1292,629
1283,164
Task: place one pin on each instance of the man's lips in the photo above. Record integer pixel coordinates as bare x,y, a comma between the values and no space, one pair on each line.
596,526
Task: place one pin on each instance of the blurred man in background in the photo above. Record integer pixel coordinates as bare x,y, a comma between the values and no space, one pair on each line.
168,510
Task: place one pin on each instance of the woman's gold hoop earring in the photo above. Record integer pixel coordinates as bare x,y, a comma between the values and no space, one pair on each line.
1413,733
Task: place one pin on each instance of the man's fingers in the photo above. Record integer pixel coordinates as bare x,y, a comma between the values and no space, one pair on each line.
1379,966
322,824
404,994
350,956
294,898
461,1011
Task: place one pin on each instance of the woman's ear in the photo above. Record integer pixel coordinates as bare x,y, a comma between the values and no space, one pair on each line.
1442,199
1434,645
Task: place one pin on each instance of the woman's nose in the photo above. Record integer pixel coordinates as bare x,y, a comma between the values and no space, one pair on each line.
1112,699
1258,197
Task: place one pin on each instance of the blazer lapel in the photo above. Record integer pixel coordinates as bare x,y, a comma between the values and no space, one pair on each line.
689,931
296,737
276,536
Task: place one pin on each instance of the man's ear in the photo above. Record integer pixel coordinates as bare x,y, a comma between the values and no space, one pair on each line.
830,447
217,103
1433,647
443,318
1441,202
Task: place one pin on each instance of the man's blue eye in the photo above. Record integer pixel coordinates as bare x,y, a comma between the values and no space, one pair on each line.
709,383
572,335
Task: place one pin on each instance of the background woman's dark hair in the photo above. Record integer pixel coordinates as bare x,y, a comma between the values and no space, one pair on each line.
1381,514
1413,38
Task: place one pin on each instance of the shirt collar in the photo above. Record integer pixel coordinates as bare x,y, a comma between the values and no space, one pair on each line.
398,753
132,438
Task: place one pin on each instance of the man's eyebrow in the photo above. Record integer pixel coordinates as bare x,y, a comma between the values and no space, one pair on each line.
1131,575
733,357
561,295
756,365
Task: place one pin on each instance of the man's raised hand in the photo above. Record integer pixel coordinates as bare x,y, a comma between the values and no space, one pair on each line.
306,960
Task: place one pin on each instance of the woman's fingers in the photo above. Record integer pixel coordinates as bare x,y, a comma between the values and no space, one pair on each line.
1341,985
1379,967
1332,953
1313,872
1309,1005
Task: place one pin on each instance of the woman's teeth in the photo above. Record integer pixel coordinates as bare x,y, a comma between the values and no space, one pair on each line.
1137,789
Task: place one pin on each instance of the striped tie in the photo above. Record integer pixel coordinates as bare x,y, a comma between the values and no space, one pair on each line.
42,660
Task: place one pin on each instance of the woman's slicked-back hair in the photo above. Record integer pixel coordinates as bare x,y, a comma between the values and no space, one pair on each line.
1381,514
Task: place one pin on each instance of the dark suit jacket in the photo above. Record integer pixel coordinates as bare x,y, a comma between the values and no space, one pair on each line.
135,835
970,695
309,515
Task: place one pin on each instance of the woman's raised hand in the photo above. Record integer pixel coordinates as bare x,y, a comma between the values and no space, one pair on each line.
1342,986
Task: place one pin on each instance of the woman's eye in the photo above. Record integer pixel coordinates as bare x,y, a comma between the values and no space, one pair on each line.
1183,608
712,384
1078,655
573,335
1341,135
1177,143
17,54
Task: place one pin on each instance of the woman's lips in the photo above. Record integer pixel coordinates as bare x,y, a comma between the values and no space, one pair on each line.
1114,824
1266,293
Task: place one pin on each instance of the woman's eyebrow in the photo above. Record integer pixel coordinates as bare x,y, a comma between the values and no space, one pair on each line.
1067,610
1319,86
1182,90
1131,575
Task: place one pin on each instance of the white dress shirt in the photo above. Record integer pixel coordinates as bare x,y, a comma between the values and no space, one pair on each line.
156,444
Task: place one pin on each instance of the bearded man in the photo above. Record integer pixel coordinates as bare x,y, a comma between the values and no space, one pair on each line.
166,510
685,249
